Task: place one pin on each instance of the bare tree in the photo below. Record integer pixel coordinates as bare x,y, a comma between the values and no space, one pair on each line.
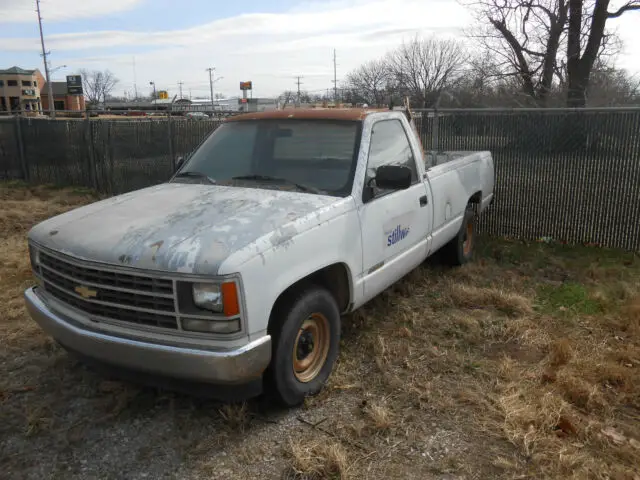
97,85
524,37
533,40
582,55
369,83
287,97
425,68
610,87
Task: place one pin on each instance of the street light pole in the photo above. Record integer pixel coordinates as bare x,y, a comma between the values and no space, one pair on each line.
54,70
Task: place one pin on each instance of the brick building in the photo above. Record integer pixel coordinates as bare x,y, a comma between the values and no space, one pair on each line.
61,100
20,90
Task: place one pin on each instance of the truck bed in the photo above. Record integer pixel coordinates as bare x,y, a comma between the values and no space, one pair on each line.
433,158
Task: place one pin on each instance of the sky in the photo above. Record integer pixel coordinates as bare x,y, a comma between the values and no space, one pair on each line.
268,42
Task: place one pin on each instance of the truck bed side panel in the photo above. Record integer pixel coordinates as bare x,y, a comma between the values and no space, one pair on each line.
453,184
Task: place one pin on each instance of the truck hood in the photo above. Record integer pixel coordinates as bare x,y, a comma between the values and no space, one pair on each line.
176,227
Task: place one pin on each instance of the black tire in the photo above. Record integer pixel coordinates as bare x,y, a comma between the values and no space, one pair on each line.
292,324
460,249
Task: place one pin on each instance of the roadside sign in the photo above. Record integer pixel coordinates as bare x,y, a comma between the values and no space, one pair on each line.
74,85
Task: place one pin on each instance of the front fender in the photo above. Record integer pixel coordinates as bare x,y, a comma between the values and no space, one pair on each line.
267,274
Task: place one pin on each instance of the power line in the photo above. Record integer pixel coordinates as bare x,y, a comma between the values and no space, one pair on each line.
52,108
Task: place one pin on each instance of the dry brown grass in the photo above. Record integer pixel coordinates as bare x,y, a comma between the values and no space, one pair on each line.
317,460
470,297
524,364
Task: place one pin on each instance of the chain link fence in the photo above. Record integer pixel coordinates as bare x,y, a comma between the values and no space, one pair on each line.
111,156
561,174
564,175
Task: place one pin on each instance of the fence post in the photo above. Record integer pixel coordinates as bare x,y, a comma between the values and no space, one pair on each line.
109,158
171,159
434,131
92,161
23,160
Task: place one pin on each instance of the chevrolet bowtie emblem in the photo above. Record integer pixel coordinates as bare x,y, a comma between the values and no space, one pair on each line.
85,292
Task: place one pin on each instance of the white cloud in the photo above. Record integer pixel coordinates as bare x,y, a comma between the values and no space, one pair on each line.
15,11
270,49
348,20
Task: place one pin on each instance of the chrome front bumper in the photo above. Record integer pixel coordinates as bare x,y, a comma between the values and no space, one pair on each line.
235,366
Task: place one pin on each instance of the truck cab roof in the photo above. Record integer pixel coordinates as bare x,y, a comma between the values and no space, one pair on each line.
354,114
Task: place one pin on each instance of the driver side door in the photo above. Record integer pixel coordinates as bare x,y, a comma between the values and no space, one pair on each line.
395,223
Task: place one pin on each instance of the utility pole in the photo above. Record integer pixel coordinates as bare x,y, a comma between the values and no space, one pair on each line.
299,83
155,95
52,107
335,79
180,83
135,85
210,70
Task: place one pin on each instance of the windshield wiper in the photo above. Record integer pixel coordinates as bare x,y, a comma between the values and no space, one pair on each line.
196,175
268,178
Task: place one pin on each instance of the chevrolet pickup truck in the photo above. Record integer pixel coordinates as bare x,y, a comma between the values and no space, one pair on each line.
235,272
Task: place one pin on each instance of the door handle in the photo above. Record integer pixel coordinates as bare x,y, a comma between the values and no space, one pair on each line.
423,200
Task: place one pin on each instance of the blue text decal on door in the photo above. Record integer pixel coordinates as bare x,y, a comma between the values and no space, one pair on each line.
397,234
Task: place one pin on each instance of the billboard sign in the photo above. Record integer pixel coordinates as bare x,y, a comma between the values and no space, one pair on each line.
74,85
246,85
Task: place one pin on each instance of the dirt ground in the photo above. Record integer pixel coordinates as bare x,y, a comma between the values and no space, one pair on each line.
524,364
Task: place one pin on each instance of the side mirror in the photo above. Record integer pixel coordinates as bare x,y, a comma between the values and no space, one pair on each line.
179,163
393,177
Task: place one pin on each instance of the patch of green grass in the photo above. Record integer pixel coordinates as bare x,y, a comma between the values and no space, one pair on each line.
580,257
14,184
567,298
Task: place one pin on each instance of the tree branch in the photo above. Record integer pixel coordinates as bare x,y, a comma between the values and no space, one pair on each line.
625,8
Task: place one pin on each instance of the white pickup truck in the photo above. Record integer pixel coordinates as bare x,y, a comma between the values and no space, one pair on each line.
235,273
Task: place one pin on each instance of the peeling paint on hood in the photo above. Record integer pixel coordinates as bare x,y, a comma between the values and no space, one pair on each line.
175,227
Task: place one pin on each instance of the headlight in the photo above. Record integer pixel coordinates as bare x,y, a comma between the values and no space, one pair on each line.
208,295
219,298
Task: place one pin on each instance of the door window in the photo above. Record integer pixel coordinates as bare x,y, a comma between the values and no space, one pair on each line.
389,146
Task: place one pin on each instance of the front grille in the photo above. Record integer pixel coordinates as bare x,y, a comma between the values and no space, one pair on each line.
119,296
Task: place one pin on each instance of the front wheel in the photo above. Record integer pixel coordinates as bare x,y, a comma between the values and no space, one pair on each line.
305,334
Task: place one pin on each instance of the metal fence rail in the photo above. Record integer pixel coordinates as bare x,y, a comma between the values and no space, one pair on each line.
569,175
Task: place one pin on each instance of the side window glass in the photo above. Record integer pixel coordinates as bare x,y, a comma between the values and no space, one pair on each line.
389,146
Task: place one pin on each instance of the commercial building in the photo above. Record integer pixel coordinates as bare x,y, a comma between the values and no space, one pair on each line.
19,90
61,99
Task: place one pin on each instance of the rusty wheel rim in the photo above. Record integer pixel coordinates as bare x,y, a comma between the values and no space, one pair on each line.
311,348
468,239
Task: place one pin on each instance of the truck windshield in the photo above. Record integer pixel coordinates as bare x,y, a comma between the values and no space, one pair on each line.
314,156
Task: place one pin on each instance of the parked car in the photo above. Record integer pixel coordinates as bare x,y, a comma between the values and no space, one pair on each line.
196,116
236,271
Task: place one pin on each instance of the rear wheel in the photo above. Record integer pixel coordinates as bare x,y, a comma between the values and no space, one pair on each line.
305,334
460,249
